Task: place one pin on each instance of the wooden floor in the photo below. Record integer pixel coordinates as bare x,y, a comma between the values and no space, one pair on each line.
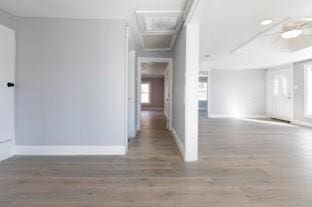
243,163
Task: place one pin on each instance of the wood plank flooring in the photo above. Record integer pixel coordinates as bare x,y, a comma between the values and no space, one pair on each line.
243,163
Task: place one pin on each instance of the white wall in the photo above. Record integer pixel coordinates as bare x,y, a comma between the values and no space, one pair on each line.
71,82
237,93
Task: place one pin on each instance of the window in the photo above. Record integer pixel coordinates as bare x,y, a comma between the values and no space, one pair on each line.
308,90
203,89
145,93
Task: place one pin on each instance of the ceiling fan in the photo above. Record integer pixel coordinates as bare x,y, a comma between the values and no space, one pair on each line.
295,27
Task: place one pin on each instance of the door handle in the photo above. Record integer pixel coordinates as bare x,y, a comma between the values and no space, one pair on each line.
10,84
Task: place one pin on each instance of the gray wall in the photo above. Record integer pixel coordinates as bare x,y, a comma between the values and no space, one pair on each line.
179,68
157,92
7,19
70,82
299,91
237,92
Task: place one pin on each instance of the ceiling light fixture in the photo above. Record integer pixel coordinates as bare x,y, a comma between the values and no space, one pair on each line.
291,34
266,22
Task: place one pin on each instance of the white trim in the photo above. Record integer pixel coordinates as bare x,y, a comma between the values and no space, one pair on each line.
166,114
132,95
307,67
249,116
170,68
192,9
69,150
6,149
191,92
302,123
126,101
178,142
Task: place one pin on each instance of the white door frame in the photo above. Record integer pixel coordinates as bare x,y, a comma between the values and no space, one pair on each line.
191,92
290,67
169,76
139,81
126,101
131,95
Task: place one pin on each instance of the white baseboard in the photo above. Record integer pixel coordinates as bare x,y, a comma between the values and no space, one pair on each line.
6,150
179,142
69,150
302,123
248,116
166,114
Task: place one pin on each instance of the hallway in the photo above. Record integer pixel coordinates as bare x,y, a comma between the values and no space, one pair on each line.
154,140
243,163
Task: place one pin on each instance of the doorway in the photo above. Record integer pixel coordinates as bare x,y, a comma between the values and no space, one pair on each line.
154,86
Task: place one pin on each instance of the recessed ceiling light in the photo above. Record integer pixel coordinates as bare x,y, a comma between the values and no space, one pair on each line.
266,22
291,34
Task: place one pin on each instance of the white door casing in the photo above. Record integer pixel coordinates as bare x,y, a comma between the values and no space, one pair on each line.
131,96
168,91
191,93
138,87
280,93
7,94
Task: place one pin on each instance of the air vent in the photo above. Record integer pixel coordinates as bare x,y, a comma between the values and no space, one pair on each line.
159,21
159,28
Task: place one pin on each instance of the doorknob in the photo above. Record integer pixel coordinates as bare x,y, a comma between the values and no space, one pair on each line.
10,84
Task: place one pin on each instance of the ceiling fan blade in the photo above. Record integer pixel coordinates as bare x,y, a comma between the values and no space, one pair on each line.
304,19
306,25
307,31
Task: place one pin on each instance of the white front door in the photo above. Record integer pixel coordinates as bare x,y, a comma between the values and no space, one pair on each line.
280,93
7,74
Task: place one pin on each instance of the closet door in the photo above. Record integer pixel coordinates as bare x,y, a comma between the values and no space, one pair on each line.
7,80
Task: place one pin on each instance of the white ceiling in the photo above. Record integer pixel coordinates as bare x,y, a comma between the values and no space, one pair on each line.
154,69
230,32
92,9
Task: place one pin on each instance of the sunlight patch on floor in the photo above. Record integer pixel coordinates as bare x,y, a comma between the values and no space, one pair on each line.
266,121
